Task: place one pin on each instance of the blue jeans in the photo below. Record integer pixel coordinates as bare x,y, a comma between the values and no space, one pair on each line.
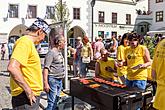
54,92
141,84
76,65
83,68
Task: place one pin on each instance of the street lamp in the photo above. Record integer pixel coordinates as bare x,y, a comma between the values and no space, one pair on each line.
61,8
92,5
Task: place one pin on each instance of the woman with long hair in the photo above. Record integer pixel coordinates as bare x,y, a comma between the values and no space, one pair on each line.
86,56
122,71
137,59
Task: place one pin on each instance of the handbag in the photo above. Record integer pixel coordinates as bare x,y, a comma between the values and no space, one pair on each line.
86,59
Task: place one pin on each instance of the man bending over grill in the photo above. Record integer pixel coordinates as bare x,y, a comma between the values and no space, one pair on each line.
105,67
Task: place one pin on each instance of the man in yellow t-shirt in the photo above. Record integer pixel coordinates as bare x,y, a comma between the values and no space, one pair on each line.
105,67
25,68
158,74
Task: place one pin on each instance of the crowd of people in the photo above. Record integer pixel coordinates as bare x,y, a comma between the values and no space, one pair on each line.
124,60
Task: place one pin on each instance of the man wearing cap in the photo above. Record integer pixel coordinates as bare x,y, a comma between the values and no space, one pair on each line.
25,68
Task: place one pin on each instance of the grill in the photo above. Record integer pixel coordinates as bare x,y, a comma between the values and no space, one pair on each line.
107,96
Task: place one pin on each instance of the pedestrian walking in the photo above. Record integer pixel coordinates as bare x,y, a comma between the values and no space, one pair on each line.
77,57
97,47
10,48
53,72
86,56
3,50
25,68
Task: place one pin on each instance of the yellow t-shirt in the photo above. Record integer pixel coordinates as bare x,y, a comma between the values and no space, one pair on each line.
85,50
134,57
149,75
25,53
103,73
121,56
158,65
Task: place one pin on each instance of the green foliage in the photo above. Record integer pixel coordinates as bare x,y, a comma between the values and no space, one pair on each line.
62,13
149,43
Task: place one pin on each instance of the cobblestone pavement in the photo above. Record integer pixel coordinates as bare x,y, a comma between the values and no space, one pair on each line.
5,97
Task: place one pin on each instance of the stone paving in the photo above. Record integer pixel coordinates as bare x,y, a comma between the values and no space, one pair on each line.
5,96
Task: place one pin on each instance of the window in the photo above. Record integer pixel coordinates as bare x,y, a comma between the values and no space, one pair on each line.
114,18
50,12
142,29
159,16
76,13
113,33
101,34
32,11
128,19
13,11
157,1
101,16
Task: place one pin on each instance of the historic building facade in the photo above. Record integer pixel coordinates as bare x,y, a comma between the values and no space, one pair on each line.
157,10
109,16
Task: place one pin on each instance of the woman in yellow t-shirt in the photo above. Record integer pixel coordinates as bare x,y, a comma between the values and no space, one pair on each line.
137,59
122,71
86,56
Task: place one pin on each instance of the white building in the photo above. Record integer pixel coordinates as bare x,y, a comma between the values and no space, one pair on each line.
110,16
157,9
114,17
16,15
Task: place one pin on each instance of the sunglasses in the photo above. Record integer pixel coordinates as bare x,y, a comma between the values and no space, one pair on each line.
134,39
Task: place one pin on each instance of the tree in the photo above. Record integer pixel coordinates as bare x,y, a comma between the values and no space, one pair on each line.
62,13
149,43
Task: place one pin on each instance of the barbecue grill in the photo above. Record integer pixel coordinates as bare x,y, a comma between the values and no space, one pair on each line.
108,96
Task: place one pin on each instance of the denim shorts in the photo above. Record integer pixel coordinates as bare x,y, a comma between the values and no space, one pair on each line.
141,84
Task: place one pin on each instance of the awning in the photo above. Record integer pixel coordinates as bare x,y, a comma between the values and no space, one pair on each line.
3,38
152,33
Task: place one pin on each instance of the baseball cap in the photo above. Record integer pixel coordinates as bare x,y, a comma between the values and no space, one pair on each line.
78,38
40,23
